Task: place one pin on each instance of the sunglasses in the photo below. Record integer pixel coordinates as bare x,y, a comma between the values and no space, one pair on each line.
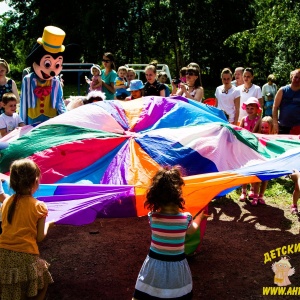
190,73
106,60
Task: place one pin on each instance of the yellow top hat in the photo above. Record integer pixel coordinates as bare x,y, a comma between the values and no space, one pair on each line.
52,39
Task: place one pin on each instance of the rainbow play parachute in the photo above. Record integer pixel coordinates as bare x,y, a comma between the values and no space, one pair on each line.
98,159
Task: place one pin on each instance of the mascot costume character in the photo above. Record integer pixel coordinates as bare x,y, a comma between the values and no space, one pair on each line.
41,90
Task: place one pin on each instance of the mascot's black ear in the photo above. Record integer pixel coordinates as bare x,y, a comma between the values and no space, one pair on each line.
51,42
35,53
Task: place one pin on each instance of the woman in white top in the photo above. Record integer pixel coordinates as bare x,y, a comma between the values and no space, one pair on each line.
192,89
228,97
247,90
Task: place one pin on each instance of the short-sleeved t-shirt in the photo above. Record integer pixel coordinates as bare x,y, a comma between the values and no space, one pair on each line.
245,94
21,234
226,101
168,232
108,79
10,122
153,89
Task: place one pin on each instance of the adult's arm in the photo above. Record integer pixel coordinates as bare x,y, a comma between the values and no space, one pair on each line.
276,104
216,103
15,90
60,103
162,93
110,87
237,110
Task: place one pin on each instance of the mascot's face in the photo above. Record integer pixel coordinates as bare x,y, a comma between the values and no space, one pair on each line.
48,67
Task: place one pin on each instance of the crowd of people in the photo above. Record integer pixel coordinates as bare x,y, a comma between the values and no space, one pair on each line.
265,111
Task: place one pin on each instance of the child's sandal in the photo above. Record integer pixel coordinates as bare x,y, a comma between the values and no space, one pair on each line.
251,195
254,202
294,209
243,197
261,201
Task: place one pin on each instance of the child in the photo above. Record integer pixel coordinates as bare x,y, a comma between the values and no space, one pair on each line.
296,178
136,89
165,273
23,273
252,123
152,86
96,82
121,84
266,127
9,120
182,74
162,78
94,96
131,74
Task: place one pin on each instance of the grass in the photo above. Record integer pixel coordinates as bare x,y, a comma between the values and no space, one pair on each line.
72,89
279,191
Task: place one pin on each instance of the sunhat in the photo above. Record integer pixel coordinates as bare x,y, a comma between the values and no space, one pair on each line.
52,39
252,100
135,85
96,95
94,66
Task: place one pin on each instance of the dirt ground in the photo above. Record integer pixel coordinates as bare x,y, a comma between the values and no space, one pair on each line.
102,260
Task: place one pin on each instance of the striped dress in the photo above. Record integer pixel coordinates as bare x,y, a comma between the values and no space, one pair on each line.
165,273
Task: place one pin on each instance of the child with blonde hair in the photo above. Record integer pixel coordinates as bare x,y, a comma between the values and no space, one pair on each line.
121,83
23,274
266,127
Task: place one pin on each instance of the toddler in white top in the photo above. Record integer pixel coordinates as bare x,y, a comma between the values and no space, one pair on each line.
9,120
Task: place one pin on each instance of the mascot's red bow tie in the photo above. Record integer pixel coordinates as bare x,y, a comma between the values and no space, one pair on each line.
42,91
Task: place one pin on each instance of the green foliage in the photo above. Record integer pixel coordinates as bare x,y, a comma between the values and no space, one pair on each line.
272,44
263,34
173,32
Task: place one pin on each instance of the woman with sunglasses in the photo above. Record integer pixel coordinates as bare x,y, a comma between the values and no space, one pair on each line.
247,90
108,76
192,89
228,97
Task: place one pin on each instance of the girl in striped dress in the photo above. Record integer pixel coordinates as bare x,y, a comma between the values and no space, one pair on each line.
165,273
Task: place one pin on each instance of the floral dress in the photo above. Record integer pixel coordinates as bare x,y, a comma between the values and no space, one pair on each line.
6,88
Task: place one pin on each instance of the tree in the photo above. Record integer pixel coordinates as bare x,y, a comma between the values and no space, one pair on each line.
272,44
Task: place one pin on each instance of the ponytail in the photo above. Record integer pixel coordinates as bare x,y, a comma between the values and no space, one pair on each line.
12,208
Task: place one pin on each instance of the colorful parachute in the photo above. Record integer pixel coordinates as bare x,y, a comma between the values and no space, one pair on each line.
98,159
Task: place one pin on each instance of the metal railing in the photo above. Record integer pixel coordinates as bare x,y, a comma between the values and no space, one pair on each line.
81,68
